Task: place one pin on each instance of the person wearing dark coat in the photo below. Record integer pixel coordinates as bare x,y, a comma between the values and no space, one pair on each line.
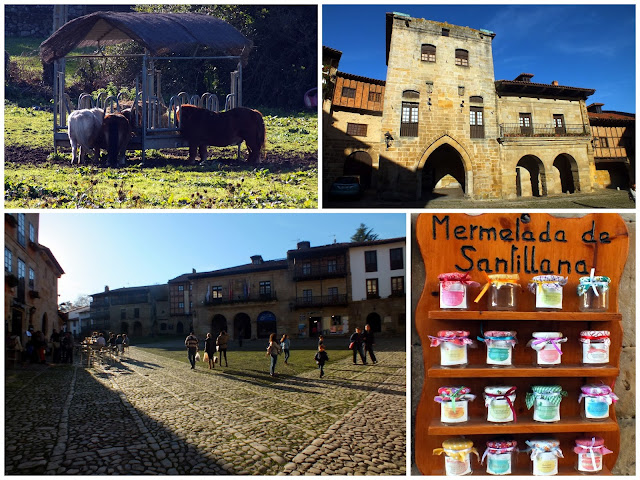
369,342
357,346
210,349
321,358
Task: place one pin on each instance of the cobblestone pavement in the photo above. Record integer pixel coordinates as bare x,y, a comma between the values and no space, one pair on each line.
152,415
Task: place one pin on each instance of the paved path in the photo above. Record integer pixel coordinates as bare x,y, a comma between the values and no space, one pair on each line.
152,415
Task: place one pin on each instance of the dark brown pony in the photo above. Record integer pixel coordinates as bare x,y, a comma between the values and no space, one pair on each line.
114,138
202,127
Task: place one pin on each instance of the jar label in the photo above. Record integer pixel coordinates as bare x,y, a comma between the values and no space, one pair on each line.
548,297
596,408
545,412
451,354
498,354
585,462
449,416
499,464
545,464
453,296
549,355
454,467
595,353
499,412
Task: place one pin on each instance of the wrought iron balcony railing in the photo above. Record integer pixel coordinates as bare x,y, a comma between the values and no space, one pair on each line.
241,298
321,300
543,130
309,272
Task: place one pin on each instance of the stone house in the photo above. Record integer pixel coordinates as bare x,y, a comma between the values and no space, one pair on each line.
31,278
446,122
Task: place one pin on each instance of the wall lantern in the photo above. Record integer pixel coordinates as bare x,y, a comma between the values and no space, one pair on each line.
461,91
388,139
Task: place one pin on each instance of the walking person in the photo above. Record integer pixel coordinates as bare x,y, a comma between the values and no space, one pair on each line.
221,343
191,342
273,350
357,347
119,345
67,347
321,358
210,350
285,344
369,342
55,345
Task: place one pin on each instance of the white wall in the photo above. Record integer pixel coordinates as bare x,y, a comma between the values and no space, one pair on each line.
384,273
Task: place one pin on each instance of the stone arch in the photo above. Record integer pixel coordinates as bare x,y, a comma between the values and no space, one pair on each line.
179,327
218,323
374,320
442,149
241,326
568,171
137,329
531,178
266,324
360,163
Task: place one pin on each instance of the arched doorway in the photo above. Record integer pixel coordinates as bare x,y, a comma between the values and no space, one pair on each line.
359,163
180,328
314,326
568,169
531,179
137,329
124,328
444,172
266,324
218,323
241,326
374,320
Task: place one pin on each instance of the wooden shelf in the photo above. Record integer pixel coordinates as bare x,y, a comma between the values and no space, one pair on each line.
479,427
519,371
525,469
559,316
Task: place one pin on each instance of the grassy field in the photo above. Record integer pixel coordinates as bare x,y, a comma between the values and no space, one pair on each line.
35,177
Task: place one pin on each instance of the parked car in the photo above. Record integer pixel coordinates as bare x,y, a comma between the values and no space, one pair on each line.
346,187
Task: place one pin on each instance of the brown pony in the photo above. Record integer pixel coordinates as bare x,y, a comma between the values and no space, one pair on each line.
202,127
114,138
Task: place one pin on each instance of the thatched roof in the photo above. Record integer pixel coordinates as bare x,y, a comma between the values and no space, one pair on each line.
160,33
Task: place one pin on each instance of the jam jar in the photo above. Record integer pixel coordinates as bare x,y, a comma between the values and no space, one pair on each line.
593,293
589,454
597,399
453,290
453,347
545,400
544,456
548,291
454,404
457,460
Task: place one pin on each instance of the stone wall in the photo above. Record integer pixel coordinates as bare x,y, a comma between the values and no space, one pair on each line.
37,20
625,386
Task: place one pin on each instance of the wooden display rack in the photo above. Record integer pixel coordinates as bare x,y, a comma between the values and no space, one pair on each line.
441,253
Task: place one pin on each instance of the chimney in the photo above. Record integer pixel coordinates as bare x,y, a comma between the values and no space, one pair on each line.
193,270
303,245
257,260
554,83
106,288
524,77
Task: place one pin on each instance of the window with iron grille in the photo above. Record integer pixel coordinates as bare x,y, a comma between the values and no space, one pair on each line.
409,120
375,96
307,295
397,285
333,292
476,122
216,291
357,129
371,261
372,288
348,92
395,259
428,53
462,57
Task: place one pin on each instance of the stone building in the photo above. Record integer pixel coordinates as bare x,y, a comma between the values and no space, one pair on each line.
136,311
31,274
614,144
446,122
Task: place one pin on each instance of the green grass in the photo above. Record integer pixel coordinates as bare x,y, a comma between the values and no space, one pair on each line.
217,185
252,362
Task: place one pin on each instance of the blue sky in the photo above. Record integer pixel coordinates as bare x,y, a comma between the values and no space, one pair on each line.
588,46
134,249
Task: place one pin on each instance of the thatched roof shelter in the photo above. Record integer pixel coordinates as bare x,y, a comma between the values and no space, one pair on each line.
160,33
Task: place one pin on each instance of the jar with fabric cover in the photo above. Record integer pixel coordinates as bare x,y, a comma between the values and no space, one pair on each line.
500,346
594,293
502,292
545,400
544,456
453,347
500,401
597,400
595,347
590,451
547,348
453,290
501,456
548,291
457,456
454,404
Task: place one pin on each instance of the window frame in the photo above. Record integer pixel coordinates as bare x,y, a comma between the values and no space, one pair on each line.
372,288
216,291
476,122
371,261
21,230
357,129
429,51
348,92
32,279
398,262
409,123
264,287
395,283
8,260
558,124
462,57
